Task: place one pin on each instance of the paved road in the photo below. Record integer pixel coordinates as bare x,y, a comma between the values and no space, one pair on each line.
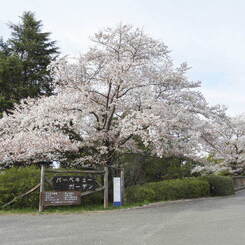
218,221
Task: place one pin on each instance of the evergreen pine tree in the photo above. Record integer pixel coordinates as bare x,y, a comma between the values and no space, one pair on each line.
10,74
24,62
36,51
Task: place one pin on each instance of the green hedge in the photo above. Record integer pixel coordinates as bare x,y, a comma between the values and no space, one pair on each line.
219,185
168,190
16,181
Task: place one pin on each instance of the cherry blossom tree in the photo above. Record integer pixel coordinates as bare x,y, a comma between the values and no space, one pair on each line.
224,140
124,89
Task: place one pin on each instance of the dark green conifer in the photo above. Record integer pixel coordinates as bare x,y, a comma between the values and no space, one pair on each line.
36,52
24,62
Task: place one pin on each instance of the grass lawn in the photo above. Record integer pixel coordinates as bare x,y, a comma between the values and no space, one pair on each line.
67,209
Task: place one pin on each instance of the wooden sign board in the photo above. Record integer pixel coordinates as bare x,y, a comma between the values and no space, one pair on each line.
74,183
60,198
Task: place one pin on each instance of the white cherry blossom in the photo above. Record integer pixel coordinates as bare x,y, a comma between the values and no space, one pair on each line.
125,88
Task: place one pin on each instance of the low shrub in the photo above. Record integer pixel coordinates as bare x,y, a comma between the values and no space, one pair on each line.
139,193
219,185
16,181
168,190
93,199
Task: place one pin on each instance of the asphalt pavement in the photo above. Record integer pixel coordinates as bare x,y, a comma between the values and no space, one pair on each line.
212,221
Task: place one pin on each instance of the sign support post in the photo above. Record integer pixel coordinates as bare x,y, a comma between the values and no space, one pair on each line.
106,187
41,188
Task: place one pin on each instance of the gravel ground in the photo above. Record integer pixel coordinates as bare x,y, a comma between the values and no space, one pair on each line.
208,221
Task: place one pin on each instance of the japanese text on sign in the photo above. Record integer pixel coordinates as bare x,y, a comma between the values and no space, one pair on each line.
58,198
78,183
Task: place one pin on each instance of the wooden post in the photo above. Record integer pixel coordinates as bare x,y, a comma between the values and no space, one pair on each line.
106,186
41,187
122,185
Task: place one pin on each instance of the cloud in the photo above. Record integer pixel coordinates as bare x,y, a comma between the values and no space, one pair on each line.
233,100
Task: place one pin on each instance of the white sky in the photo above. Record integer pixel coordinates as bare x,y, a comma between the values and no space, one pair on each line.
209,35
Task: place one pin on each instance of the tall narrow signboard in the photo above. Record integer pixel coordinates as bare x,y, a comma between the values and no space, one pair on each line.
117,191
